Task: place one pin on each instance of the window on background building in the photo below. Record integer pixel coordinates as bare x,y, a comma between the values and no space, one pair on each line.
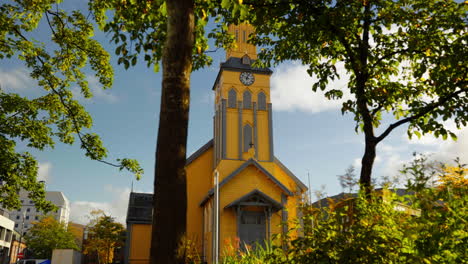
31,202
247,98
16,225
232,98
36,217
17,217
28,210
25,226
247,137
261,101
27,217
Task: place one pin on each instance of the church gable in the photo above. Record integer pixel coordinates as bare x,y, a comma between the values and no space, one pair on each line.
250,175
259,167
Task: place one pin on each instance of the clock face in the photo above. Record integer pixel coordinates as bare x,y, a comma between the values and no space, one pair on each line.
247,78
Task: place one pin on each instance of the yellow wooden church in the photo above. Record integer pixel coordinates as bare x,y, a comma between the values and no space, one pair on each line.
256,191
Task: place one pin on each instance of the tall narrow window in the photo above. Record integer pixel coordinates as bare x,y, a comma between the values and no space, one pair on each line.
237,35
247,137
244,36
247,98
232,98
261,101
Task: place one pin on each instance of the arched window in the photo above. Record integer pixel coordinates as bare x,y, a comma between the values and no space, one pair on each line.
232,98
247,98
261,101
247,137
246,60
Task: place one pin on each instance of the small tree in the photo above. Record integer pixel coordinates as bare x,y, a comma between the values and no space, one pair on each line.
403,58
104,235
56,115
348,180
49,234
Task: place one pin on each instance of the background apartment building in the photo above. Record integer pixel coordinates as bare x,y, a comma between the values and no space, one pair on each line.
28,213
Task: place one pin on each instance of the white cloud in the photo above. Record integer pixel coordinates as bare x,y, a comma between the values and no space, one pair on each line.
43,172
357,164
117,207
291,90
97,91
445,150
15,79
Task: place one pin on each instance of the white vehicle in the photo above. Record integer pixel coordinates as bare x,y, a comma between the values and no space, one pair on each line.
34,261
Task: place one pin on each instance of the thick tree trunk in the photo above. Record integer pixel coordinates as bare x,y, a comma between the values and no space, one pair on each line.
367,163
170,195
362,75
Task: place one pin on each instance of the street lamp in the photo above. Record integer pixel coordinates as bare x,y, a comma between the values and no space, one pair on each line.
216,244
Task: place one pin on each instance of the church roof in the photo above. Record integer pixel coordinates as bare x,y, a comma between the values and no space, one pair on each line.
140,208
199,152
235,64
290,174
209,144
241,168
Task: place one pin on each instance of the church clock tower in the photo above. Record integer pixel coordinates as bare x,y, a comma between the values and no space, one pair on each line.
243,113
256,194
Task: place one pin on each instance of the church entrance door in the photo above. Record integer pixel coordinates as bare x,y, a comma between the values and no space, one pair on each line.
252,228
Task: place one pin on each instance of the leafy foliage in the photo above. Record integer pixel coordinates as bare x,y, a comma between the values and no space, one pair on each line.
49,234
426,225
56,114
141,28
403,58
104,235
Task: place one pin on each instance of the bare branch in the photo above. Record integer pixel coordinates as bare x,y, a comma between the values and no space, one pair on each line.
428,108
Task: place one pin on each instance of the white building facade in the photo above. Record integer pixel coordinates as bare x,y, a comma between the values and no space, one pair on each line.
28,213
6,236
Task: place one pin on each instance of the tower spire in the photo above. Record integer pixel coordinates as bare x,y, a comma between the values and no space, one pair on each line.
241,34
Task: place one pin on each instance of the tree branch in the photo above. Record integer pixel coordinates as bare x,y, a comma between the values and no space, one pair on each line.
70,113
428,108
388,55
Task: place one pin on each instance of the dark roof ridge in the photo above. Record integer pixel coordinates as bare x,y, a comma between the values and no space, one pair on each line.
294,177
199,152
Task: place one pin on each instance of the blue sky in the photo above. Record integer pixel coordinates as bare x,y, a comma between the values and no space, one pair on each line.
310,134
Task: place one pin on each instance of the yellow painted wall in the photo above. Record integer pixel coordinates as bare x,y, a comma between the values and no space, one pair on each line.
232,133
199,179
243,183
263,147
140,244
231,79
